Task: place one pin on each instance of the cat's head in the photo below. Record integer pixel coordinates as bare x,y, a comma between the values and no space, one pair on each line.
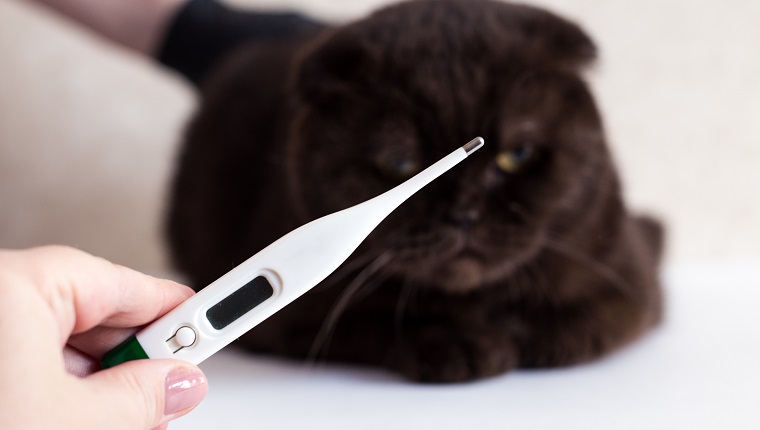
380,99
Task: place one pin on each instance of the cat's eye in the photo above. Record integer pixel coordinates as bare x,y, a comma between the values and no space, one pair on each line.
516,159
397,168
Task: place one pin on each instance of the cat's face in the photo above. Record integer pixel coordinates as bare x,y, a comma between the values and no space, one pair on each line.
376,107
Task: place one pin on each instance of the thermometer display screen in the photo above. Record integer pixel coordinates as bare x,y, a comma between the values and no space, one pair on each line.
239,303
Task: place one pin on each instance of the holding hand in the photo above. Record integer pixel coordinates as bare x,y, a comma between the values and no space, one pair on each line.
62,310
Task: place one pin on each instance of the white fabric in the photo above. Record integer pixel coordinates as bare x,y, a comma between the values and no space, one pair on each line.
699,370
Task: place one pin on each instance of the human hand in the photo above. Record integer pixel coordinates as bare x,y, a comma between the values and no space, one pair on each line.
136,24
62,310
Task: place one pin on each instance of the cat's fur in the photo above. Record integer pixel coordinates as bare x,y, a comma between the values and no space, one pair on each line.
482,271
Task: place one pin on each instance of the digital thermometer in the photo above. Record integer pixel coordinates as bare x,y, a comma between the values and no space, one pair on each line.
271,279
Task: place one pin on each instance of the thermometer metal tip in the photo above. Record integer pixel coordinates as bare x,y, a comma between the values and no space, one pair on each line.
271,279
473,145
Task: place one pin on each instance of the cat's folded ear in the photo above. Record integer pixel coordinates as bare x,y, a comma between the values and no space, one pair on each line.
337,66
559,40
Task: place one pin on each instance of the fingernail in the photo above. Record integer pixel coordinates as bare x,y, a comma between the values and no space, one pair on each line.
185,388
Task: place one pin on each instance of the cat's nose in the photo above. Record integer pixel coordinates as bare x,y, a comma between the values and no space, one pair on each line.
464,216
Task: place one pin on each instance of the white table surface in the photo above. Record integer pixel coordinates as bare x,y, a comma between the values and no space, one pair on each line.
699,370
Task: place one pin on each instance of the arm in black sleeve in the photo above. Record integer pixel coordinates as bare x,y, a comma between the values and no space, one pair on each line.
203,31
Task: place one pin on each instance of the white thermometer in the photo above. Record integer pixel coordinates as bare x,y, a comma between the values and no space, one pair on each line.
271,279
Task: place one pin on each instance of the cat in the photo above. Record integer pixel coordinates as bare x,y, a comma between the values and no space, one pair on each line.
524,256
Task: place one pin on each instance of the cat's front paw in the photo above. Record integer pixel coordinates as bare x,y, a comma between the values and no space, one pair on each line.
440,356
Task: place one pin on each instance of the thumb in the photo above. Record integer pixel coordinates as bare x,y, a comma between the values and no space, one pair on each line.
144,394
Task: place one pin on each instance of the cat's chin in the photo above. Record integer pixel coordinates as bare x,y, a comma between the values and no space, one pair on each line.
459,275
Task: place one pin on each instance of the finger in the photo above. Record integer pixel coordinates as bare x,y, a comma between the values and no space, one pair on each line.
100,340
84,291
146,393
79,363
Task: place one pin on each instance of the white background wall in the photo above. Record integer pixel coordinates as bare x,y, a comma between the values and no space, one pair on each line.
88,130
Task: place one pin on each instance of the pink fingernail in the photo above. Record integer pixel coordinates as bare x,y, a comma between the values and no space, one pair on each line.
185,388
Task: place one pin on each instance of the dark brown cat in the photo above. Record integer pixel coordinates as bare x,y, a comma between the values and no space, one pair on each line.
525,255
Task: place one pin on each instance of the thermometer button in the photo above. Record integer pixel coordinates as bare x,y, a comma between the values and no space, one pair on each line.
182,338
185,336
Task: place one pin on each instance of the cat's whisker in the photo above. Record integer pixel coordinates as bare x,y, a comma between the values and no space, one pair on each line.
354,264
521,283
535,276
408,288
518,209
603,270
322,339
